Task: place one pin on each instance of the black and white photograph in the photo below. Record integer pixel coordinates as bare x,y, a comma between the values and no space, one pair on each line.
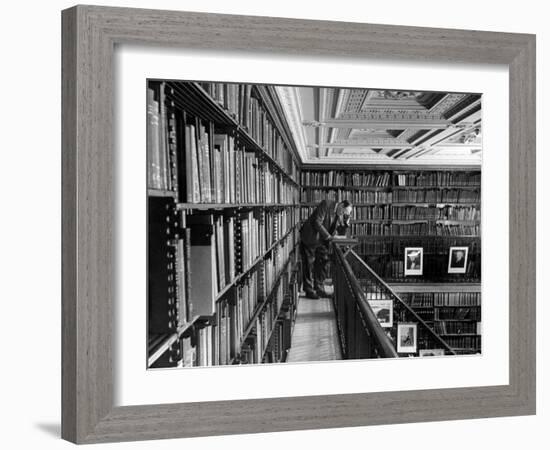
458,259
414,258
383,310
406,337
274,209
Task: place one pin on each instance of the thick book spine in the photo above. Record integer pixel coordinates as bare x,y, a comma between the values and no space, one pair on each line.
173,148
192,168
163,147
153,169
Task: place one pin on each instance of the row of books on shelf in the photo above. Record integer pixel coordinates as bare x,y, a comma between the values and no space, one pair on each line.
466,327
245,107
381,178
223,340
187,156
212,251
413,229
228,173
361,196
409,212
438,178
232,97
279,222
447,212
431,299
470,342
339,178
262,130
426,314
358,196
239,312
223,246
161,141
437,196
449,313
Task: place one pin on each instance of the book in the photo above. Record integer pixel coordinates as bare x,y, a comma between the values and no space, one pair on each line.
153,162
202,261
191,166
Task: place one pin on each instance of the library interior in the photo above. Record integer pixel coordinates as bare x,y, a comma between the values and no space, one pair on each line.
302,223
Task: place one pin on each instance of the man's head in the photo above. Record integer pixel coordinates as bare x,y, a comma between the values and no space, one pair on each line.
459,254
344,210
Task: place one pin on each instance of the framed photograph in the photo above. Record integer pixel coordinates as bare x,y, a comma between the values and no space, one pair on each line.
414,259
458,259
431,352
383,310
406,337
108,392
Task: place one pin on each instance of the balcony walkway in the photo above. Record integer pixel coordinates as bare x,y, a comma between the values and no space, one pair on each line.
315,335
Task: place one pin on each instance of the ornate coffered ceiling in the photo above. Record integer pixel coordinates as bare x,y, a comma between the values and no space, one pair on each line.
338,125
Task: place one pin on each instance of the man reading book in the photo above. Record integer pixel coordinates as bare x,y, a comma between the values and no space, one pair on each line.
327,220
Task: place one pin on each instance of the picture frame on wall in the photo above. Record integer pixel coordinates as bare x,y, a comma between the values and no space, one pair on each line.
383,310
91,411
458,259
414,260
407,336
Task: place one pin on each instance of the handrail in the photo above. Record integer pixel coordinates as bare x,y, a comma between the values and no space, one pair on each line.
382,341
402,303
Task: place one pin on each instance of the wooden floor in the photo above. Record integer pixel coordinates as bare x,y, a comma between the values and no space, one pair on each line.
315,336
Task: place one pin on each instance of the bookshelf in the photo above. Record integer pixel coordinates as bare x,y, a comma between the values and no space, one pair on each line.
454,316
417,207
396,208
223,217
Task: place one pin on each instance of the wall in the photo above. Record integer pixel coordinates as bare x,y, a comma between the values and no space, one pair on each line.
30,225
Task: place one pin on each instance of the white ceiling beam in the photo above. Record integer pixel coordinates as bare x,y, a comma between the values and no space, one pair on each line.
365,143
421,124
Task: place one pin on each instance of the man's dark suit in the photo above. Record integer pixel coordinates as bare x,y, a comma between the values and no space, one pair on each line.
314,249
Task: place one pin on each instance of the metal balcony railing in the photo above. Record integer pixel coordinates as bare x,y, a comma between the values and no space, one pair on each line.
361,335
373,321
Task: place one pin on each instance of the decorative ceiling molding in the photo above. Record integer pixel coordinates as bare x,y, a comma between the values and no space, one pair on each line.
390,114
397,95
341,101
324,99
446,103
387,126
399,121
374,142
289,97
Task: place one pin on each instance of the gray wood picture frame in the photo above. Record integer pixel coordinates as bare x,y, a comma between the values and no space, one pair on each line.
89,37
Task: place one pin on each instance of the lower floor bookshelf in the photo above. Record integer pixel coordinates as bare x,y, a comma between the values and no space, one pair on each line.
452,310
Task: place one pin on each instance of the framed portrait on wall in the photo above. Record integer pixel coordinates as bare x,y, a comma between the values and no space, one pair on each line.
458,259
414,259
